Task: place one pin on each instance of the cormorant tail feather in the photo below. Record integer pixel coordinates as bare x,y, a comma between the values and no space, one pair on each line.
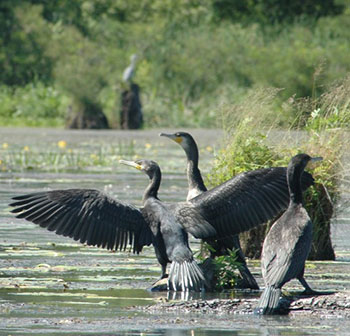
185,276
269,301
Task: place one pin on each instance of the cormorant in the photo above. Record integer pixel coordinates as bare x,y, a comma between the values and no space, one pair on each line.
288,242
196,187
92,217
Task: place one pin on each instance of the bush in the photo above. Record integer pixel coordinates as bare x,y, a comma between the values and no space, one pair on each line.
247,149
189,64
33,104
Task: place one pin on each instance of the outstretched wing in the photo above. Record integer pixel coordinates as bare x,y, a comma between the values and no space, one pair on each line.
192,221
86,215
247,200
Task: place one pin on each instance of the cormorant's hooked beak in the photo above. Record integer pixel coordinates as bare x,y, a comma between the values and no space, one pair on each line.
131,164
173,137
314,159
317,158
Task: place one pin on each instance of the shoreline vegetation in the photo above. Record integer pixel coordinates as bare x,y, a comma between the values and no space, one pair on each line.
195,59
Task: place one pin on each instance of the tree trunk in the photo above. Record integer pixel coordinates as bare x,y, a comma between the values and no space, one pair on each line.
131,109
86,116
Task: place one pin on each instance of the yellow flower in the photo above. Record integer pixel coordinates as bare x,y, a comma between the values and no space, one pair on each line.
62,144
5,145
0,162
209,148
148,145
26,148
93,156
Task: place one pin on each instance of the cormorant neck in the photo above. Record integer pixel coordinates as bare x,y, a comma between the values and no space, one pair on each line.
194,176
153,187
294,184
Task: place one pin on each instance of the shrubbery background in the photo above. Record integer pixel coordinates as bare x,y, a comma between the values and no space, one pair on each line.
195,56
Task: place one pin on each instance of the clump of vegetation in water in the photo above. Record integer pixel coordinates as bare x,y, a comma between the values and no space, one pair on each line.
222,272
312,132
226,269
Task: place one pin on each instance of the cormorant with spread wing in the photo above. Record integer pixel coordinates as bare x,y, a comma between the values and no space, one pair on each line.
96,219
196,187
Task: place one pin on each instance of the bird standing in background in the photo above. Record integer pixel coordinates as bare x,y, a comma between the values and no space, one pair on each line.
129,72
288,242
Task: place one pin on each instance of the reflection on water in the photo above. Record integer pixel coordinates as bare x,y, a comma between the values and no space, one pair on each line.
52,285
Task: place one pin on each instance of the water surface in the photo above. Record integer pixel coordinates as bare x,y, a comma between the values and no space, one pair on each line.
51,285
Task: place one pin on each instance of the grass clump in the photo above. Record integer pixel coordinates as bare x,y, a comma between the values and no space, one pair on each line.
247,149
226,269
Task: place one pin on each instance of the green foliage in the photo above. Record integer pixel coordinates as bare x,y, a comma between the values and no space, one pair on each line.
33,104
189,63
247,149
226,271
23,39
272,11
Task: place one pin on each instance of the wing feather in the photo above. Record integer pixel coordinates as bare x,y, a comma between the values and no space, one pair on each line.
86,215
247,200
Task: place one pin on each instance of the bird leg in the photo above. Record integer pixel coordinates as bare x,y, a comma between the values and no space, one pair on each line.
248,280
308,290
164,274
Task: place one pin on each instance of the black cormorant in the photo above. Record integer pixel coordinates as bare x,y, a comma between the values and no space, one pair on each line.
94,218
288,242
196,187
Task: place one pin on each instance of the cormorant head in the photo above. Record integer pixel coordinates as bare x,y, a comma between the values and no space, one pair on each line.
149,167
184,139
300,161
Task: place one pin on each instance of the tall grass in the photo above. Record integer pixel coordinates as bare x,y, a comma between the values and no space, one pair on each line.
250,146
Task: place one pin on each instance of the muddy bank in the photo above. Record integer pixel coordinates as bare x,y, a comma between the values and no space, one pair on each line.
337,304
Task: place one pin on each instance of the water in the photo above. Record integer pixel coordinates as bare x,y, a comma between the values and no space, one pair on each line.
51,285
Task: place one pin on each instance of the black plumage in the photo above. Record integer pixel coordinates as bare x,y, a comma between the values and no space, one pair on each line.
288,243
92,217
248,187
